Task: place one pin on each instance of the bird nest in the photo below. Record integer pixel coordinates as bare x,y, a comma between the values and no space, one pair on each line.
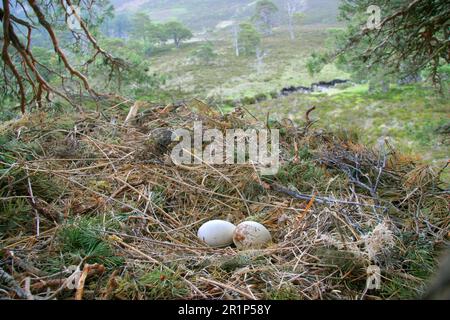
93,207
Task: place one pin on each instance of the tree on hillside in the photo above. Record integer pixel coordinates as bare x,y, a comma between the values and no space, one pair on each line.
24,72
264,15
249,38
205,53
376,76
294,8
260,55
162,34
178,32
138,81
143,28
119,26
410,37
235,31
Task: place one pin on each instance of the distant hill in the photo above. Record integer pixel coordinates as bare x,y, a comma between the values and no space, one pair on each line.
199,14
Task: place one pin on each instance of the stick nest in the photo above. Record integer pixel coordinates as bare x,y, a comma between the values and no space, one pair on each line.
89,200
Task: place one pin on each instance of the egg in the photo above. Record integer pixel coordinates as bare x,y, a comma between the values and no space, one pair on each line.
217,233
251,235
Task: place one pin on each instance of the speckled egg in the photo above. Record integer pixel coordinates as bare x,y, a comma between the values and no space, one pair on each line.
217,233
251,235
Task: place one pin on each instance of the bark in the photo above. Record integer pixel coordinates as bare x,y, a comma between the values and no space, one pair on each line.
8,31
47,26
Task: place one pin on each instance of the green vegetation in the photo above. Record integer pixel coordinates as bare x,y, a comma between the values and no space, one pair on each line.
84,240
177,32
206,53
231,77
264,15
249,39
409,116
284,293
151,284
418,34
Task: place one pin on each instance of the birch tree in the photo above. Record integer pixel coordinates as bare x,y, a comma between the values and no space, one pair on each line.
264,15
293,8
236,38
260,55
236,30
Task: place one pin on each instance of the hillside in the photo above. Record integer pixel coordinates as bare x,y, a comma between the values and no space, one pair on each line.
200,14
409,116
230,77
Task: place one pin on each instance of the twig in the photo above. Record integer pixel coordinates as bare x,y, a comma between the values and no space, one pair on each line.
88,268
9,282
33,201
25,266
321,200
225,286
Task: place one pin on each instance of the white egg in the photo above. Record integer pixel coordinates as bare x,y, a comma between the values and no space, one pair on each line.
251,235
217,233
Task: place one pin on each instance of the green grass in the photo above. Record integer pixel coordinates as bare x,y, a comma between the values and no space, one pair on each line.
409,116
304,176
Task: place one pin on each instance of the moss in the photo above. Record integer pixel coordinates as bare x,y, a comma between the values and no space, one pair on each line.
156,284
239,261
248,100
261,97
286,292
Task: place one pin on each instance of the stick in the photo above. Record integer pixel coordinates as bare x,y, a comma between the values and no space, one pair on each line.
25,265
88,269
33,201
320,200
9,281
225,286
